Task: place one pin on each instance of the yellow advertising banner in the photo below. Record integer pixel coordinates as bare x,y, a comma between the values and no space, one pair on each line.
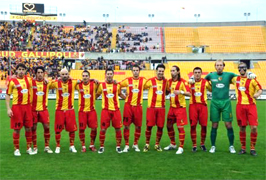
36,18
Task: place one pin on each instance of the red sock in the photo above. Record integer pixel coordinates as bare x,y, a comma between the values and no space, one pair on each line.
82,137
57,139
148,135
193,134
28,139
47,136
203,135
126,136
16,140
102,138
253,140
242,136
171,134
158,136
34,139
137,135
93,136
71,138
118,137
181,136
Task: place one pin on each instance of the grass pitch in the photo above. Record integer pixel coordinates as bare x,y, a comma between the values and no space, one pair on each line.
132,165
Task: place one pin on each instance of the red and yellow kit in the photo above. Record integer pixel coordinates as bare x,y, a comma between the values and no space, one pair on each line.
198,92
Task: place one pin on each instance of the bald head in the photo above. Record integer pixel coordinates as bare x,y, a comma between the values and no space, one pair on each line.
64,75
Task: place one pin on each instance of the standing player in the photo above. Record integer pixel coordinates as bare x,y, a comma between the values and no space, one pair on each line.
40,90
87,114
178,89
247,92
20,113
110,109
65,114
156,107
198,111
133,106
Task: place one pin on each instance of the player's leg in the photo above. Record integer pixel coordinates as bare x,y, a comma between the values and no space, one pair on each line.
105,123
46,129
150,118
16,135
242,136
28,123
253,122
193,117
117,124
71,127
160,124
241,116
203,120
228,118
127,120
181,121
170,128
215,114
138,123
82,126
92,123
34,129
58,127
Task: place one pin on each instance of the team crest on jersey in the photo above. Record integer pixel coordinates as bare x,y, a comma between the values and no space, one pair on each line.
136,86
220,78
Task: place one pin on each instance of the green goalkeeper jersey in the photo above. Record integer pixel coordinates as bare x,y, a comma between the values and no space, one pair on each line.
220,84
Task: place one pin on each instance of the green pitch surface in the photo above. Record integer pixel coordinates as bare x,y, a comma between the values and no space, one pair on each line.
132,165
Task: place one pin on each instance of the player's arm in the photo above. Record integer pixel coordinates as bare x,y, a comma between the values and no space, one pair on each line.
168,90
148,84
8,93
257,94
184,90
53,84
209,86
120,94
124,83
99,91
208,77
258,89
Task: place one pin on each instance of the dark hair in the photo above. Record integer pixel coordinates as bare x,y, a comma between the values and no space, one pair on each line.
135,66
85,71
160,66
39,67
197,68
109,69
178,70
21,65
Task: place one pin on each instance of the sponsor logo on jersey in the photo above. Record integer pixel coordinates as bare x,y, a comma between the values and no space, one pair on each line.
197,94
39,93
65,94
220,85
135,90
214,80
242,88
24,91
130,85
159,92
86,96
110,95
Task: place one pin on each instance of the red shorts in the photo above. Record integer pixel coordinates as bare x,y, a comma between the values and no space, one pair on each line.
114,116
198,113
177,115
155,116
22,116
247,115
87,118
132,114
41,116
65,119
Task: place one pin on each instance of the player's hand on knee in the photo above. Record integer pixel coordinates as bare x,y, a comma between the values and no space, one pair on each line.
251,75
191,80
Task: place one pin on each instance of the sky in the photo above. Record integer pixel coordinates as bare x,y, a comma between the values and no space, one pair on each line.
138,10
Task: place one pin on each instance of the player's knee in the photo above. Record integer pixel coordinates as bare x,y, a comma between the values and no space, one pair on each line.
149,128
126,127
160,129
254,129
28,129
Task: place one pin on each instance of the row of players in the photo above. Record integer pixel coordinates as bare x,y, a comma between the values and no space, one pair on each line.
30,98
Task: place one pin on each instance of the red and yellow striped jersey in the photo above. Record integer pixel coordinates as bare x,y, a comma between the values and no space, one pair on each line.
198,92
20,88
156,93
110,92
64,94
177,100
134,90
87,96
245,89
39,95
